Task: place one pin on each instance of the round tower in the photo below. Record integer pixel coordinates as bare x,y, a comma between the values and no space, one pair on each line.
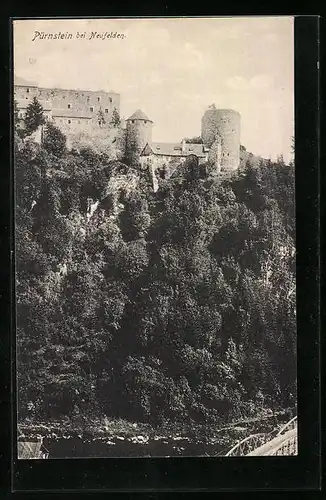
225,123
138,134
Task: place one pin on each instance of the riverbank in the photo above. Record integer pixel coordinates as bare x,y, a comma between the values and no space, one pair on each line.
74,437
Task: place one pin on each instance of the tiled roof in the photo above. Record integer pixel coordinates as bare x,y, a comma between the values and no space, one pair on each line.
139,115
175,149
71,113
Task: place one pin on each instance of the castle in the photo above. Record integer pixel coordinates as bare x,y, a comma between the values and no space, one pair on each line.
90,113
72,111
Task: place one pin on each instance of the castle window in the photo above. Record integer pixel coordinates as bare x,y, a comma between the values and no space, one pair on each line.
132,121
92,109
110,99
69,121
69,106
145,121
98,99
106,110
27,90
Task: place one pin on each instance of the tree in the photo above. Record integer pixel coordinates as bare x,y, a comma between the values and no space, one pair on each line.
193,140
16,113
100,117
115,120
180,307
54,141
34,116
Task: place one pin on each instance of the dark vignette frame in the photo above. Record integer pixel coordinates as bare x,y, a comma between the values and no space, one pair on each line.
198,474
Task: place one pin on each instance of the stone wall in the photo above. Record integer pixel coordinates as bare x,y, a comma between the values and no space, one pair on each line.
73,110
79,100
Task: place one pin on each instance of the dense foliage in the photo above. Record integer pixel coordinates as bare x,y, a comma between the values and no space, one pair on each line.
173,306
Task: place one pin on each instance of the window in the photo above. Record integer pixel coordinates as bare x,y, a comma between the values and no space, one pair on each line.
92,109
132,121
69,121
145,121
106,110
27,90
69,106
110,99
98,99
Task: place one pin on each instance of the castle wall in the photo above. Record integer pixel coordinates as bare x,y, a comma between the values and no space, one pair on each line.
72,110
72,125
168,163
79,100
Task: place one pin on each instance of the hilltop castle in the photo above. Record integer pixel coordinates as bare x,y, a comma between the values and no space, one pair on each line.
90,113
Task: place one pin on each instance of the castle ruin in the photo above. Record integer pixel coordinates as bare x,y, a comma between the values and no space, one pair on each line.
90,113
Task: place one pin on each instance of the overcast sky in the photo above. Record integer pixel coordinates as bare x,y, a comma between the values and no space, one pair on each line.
173,69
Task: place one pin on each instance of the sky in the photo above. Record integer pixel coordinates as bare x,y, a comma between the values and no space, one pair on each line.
173,69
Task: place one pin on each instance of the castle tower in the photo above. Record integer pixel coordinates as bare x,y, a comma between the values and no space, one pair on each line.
215,154
225,123
138,134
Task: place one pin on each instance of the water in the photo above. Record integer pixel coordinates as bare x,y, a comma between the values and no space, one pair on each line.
197,444
132,447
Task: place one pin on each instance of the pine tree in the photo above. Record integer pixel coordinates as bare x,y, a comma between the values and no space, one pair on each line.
54,141
115,120
100,117
16,113
34,116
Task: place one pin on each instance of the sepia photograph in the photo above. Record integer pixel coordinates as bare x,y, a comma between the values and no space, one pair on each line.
155,245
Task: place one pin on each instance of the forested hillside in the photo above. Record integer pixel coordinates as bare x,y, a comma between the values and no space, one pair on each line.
174,306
